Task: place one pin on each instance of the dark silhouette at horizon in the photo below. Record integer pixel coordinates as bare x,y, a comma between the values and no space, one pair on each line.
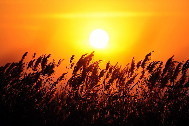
143,92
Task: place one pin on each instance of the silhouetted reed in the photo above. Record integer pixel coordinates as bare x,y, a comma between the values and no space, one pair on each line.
141,93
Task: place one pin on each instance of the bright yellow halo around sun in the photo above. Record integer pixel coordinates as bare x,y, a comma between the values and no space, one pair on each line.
99,39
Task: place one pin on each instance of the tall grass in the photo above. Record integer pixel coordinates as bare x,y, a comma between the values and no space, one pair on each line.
141,93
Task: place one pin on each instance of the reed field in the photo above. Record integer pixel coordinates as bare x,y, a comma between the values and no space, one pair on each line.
141,93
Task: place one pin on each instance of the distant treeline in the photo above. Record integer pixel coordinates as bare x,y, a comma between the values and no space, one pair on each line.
141,93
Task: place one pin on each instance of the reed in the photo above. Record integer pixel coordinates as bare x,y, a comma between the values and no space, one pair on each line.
141,93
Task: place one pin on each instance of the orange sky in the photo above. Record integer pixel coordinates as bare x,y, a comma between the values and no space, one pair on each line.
62,28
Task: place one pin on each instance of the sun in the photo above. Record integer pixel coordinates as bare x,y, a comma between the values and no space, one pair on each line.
99,39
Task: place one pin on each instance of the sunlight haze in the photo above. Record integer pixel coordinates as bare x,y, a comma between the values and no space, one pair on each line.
62,28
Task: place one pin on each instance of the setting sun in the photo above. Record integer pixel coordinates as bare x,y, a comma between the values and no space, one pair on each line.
99,38
94,62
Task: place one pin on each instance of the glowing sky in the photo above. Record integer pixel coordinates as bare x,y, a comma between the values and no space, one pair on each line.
62,27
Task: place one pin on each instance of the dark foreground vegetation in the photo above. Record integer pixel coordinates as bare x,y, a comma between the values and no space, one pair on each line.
141,93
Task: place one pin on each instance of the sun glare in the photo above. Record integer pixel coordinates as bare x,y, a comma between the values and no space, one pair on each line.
99,38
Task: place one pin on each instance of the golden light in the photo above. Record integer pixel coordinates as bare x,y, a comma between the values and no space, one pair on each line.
99,38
